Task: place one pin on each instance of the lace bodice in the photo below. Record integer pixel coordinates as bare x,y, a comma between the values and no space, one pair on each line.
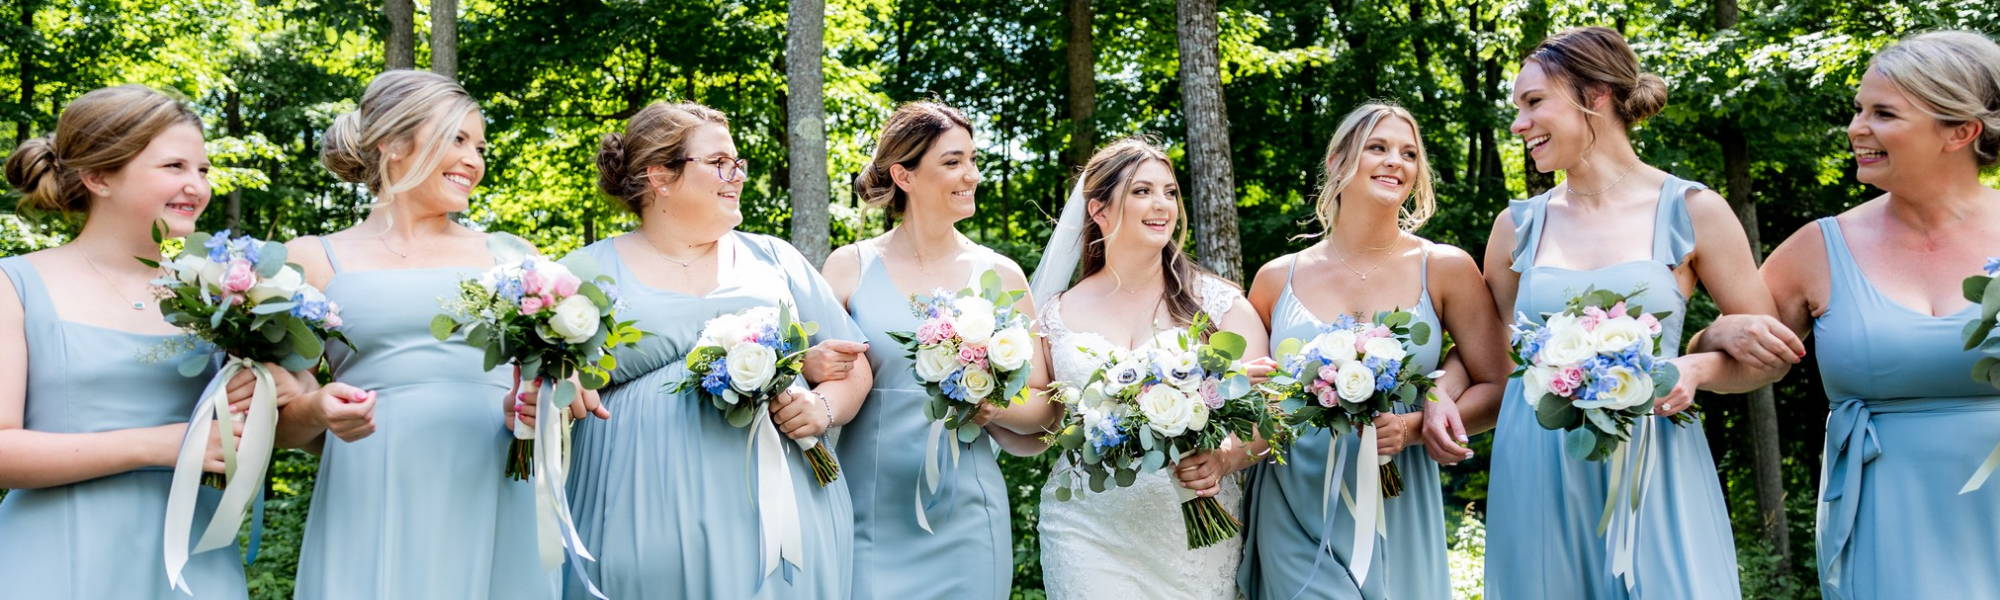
1129,542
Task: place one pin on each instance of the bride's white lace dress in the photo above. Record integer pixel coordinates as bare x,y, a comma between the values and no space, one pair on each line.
1128,543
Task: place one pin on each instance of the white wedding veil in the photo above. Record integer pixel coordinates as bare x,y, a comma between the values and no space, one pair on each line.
1064,250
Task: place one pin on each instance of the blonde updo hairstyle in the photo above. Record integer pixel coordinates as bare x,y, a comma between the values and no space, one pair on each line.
99,132
1106,179
395,108
1954,76
1594,60
1343,160
656,137
908,135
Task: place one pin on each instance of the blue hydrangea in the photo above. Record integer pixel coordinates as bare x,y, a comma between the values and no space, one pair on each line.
717,379
951,386
768,337
1992,265
218,247
308,309
1341,322
510,289
1106,434
247,245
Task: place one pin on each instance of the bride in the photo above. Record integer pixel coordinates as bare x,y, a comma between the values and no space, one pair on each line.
1124,223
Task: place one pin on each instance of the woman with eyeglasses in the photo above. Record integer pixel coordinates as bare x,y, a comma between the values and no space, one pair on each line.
662,492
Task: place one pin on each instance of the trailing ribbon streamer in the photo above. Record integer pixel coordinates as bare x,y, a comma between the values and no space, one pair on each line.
782,541
1368,492
1985,469
933,471
1631,473
245,465
555,531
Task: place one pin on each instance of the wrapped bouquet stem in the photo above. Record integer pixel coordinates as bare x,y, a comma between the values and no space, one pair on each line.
238,296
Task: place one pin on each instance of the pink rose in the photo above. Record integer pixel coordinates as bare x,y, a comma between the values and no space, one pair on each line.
1328,373
240,276
1588,322
1327,397
1566,381
566,284
927,334
532,282
1211,394
970,354
945,330
531,304
1618,309
332,320
1651,322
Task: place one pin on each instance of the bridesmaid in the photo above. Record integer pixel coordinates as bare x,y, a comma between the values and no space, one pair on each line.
1372,261
1879,287
418,508
661,492
1578,92
924,175
91,416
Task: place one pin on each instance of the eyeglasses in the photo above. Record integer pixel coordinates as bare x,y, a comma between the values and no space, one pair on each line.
729,170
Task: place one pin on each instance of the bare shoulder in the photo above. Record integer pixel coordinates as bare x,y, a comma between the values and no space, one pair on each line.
1011,275
1270,281
1709,210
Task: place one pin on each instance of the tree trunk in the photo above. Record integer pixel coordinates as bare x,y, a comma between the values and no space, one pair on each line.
1214,198
805,109
26,58
1081,52
444,38
400,50
232,108
1766,464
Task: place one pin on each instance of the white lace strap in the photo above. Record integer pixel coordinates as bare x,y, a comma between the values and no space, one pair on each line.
1052,319
1217,297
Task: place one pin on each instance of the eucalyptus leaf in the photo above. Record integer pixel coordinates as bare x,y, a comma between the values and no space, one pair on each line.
194,364
1579,443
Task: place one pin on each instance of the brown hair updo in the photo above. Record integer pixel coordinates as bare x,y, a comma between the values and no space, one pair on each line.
909,134
656,137
99,132
1597,59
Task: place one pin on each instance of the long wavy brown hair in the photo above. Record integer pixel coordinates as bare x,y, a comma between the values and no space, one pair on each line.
1106,179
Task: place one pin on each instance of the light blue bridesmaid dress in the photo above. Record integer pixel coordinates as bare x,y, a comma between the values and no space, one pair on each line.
971,553
100,538
1543,506
1908,426
1284,522
422,508
661,492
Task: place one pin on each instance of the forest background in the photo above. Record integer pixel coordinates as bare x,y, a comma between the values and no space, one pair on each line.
1245,93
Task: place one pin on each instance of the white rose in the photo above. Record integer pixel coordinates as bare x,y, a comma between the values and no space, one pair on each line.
550,269
975,318
1336,346
1010,349
1384,348
978,383
188,268
210,274
281,286
1180,369
1535,382
935,362
1169,410
1568,346
1355,383
1615,335
751,366
1629,388
575,319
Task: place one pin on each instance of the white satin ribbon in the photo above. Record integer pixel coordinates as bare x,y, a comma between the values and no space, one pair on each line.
1368,509
933,465
246,465
777,507
555,531
1631,473
1985,470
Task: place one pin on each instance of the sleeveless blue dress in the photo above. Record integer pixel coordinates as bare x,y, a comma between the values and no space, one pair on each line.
1284,522
1908,425
661,491
971,553
1543,506
422,508
101,538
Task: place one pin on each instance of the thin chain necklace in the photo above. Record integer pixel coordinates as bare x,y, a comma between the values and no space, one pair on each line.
1614,183
136,305
384,238
917,253
1371,270
683,263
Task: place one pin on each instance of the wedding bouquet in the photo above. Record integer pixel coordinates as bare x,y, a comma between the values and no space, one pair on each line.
239,296
742,362
555,321
1985,291
1593,369
972,347
1150,407
1351,372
